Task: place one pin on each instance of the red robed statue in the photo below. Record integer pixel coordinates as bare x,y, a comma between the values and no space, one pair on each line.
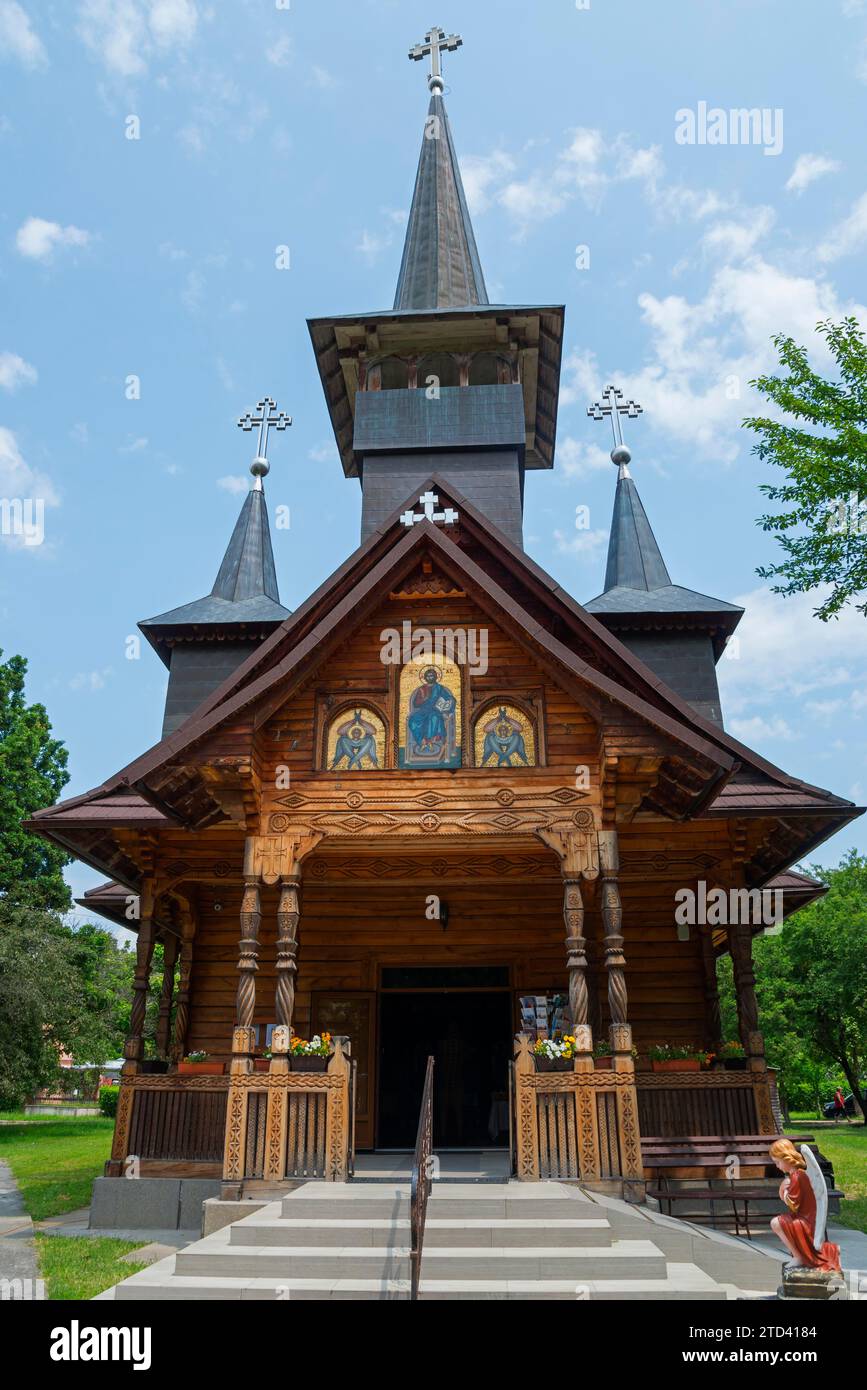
801,1227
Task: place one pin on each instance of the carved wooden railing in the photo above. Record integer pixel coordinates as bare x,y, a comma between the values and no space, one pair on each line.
271,1125
579,1125
284,1124
167,1120
672,1104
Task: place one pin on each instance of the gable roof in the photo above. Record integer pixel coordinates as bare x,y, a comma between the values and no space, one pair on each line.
544,617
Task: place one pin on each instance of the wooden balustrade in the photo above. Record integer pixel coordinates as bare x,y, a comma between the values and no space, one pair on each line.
169,1120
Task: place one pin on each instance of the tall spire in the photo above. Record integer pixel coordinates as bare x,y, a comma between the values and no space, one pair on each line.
634,558
440,267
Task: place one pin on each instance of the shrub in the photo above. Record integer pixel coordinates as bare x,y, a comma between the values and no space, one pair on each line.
108,1101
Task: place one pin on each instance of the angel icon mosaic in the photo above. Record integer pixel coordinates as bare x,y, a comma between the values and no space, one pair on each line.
505,737
356,741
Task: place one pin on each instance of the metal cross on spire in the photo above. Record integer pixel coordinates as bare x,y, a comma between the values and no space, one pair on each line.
435,42
615,406
265,420
430,501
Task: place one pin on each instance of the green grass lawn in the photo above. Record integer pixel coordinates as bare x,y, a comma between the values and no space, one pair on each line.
55,1161
846,1147
82,1266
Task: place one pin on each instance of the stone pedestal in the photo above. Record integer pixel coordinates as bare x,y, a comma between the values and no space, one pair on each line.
799,1282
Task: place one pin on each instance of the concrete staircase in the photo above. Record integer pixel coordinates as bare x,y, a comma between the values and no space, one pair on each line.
482,1241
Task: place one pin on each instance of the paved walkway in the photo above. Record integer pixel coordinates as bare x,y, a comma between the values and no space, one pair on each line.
17,1251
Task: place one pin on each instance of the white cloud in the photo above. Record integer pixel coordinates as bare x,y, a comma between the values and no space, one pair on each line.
784,652
575,458
123,34
323,79
134,446
15,372
324,453
19,481
584,545
279,54
481,175
17,37
37,239
735,238
235,483
848,235
757,730
91,680
808,168
702,353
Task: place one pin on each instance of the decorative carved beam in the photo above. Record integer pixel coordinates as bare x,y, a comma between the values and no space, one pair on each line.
740,940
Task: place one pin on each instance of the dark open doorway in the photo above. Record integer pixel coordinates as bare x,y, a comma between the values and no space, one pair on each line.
469,1035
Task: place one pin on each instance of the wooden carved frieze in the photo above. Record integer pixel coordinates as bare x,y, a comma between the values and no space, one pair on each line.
319,869
399,798
411,823
644,863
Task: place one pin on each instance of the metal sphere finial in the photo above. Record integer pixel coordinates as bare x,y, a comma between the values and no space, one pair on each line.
621,455
260,468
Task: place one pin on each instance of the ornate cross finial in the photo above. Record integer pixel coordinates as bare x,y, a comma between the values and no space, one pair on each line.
615,406
435,42
430,501
265,420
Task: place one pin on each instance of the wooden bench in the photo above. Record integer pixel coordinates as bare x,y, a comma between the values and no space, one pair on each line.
687,1160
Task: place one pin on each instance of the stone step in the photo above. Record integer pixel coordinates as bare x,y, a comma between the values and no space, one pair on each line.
682,1282
450,1201
347,1231
627,1259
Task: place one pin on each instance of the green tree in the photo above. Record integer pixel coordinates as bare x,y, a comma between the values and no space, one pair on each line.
811,985
820,443
32,775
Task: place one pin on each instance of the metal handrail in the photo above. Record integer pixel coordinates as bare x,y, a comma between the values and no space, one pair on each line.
422,1179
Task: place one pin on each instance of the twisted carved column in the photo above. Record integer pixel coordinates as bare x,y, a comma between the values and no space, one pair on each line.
164,1020
287,947
576,952
612,922
741,948
182,1012
251,918
713,1021
134,1047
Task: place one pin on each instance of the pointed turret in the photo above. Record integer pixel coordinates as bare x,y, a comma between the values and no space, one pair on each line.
440,267
203,642
678,633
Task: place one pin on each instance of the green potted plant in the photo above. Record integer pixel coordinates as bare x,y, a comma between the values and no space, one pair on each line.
602,1056
200,1064
310,1055
731,1057
552,1054
674,1057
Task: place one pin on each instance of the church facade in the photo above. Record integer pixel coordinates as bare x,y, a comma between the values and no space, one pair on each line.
442,807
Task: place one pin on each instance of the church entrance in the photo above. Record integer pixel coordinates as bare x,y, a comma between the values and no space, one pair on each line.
462,1017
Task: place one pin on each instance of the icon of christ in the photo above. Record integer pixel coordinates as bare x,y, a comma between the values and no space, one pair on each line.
431,724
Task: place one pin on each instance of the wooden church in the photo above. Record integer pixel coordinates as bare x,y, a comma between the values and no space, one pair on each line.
442,808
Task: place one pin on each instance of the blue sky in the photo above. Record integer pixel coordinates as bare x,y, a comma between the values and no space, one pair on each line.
262,126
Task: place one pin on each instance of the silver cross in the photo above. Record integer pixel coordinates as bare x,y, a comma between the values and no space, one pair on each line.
265,421
430,502
615,406
435,42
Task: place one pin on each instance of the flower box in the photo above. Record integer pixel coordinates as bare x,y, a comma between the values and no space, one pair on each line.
155,1066
261,1064
200,1068
604,1063
734,1064
308,1063
676,1064
554,1063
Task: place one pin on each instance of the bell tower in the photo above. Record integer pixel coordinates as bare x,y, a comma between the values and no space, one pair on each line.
444,382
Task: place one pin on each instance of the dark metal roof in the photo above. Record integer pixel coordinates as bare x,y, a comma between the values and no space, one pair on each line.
245,589
440,266
637,581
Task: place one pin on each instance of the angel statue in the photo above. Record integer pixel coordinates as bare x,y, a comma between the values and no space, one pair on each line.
801,1227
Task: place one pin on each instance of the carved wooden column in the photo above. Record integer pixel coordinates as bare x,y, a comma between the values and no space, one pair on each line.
287,948
576,850
713,1022
164,1019
182,1012
740,939
134,1047
248,965
612,924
